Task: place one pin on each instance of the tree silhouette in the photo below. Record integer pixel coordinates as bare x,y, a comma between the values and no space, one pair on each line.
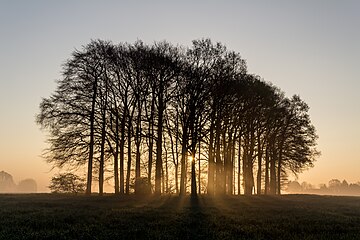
164,105
67,183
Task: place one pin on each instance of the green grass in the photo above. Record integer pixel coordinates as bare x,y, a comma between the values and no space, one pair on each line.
46,216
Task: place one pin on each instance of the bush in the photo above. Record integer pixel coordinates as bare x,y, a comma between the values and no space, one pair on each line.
67,183
142,186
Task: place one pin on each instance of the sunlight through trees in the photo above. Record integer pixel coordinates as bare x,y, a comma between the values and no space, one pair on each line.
176,119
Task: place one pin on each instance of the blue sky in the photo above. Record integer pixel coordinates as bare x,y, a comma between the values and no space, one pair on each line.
310,48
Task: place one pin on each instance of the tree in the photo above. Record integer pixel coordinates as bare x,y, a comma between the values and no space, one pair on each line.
67,183
294,187
162,105
334,185
7,183
27,186
70,113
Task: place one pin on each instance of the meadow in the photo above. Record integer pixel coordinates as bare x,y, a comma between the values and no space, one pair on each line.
51,216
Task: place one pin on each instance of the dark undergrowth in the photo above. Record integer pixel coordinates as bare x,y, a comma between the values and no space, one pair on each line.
47,216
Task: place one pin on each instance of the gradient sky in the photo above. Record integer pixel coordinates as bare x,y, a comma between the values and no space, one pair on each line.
310,48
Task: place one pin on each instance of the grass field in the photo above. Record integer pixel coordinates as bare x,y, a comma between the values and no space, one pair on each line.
46,216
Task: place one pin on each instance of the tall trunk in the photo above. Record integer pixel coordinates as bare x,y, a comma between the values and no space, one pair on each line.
229,163
193,174
166,169
193,150
102,153
199,170
225,165
177,178
186,174
183,162
167,176
174,154
91,144
246,164
177,163
239,166
158,164
162,179
258,177
151,139
267,171
138,142
129,159
122,153
244,169
232,168
219,164
102,148
249,177
116,157
272,173
210,187
278,187
248,170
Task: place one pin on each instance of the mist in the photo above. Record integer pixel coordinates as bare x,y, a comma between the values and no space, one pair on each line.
8,185
333,187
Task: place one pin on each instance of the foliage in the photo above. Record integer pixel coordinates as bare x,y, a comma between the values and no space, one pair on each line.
67,183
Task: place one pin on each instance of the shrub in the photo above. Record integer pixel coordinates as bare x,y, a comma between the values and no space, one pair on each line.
67,183
142,186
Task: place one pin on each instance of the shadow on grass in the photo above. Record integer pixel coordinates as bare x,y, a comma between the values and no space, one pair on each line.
174,217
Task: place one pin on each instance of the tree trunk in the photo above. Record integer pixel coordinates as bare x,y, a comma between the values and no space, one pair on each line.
248,169
138,142
166,169
122,154
116,157
266,171
91,144
232,168
102,154
199,170
193,175
278,187
129,159
174,155
258,177
183,162
151,139
272,174
210,187
219,164
239,166
158,166
225,165
177,178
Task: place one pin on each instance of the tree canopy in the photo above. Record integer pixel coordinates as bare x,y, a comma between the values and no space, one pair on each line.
189,119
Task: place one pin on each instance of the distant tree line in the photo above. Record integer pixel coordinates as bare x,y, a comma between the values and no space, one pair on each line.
178,119
7,184
334,187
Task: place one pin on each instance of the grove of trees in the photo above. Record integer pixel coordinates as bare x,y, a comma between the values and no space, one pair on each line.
183,119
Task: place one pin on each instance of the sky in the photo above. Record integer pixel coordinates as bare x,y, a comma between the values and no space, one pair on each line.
310,48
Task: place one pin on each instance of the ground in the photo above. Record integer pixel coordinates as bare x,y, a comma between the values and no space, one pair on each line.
50,216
